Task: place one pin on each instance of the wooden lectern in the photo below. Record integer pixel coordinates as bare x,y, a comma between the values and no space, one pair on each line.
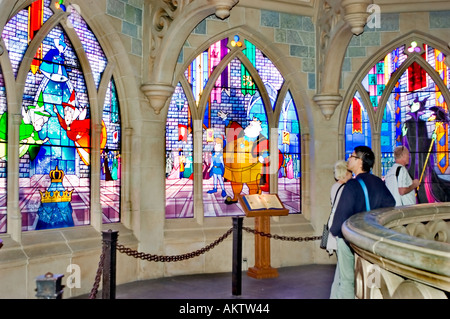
262,268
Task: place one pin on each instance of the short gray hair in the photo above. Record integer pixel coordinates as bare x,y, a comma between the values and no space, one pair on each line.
340,169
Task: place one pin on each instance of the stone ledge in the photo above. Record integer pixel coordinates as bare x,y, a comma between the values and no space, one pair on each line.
53,251
369,232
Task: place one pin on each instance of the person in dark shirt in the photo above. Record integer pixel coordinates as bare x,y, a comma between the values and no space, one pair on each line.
353,201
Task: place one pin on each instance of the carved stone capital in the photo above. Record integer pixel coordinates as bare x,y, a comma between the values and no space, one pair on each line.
327,103
170,24
223,7
355,14
157,95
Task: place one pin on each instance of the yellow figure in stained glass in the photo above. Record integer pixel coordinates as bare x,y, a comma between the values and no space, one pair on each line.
246,157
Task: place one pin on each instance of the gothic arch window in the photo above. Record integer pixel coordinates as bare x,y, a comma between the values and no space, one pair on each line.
357,128
405,97
232,114
61,67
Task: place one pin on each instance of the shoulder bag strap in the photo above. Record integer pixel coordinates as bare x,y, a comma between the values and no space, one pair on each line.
337,192
397,172
334,201
366,195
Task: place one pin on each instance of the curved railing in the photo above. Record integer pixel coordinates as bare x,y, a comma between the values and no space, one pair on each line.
402,252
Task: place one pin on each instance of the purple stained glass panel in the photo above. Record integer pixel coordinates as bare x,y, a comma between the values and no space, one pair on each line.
110,171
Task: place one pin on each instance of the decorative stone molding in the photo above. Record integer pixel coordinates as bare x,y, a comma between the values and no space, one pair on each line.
327,103
402,252
374,282
356,14
223,7
328,18
164,13
171,23
158,95
332,32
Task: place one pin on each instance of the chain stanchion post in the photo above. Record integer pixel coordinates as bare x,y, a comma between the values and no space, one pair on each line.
237,256
109,266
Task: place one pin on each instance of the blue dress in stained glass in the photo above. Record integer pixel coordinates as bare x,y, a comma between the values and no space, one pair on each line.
55,210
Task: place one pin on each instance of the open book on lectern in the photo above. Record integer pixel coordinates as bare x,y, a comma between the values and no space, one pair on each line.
262,201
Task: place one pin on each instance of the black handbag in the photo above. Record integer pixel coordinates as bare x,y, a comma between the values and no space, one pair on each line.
325,232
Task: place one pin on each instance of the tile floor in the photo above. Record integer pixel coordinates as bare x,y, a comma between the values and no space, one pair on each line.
299,282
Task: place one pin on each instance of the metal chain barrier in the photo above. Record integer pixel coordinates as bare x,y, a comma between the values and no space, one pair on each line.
150,257
287,238
94,290
173,258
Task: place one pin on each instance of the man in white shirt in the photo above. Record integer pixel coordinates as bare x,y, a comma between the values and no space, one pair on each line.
398,180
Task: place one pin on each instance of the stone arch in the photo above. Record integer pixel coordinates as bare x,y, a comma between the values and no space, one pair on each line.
171,26
278,58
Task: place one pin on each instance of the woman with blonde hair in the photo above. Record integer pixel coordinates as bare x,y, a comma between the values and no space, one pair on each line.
341,176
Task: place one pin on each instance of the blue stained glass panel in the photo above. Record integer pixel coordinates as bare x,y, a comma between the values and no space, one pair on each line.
289,143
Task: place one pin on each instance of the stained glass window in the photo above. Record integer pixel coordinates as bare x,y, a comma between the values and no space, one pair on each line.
3,152
415,115
179,157
110,160
357,127
235,130
93,50
21,30
289,143
55,126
